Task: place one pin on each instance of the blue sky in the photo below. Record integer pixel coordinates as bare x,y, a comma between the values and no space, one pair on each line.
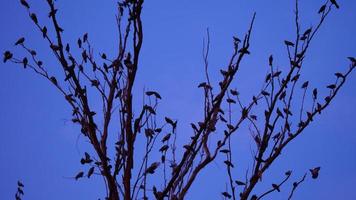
40,146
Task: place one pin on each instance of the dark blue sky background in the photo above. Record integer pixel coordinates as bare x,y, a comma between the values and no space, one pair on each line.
40,146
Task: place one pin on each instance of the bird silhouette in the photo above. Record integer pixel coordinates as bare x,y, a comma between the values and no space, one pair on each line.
315,172
34,18
240,182
7,56
24,62
90,172
288,43
335,3
322,9
54,80
305,84
44,31
166,138
20,184
79,175
226,194
276,187
20,41
24,3
270,60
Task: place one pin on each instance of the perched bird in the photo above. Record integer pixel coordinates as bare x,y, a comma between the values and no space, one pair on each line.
79,175
103,56
54,80
24,62
67,47
80,44
322,9
85,37
276,187
7,56
305,84
44,31
20,184
307,32
90,172
315,93
353,61
226,194
335,3
55,47
331,87
166,138
25,4
34,18
164,148
315,172
20,41
270,60
52,13
151,169
240,182
288,43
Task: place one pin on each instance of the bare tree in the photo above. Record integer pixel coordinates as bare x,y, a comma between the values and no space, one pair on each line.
289,106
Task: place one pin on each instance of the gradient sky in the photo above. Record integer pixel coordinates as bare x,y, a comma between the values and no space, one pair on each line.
40,146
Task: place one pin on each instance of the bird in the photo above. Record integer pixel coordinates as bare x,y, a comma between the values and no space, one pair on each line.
34,18
226,194
151,169
270,60
90,172
166,138
240,182
54,80
7,56
24,62
44,31
315,93
52,13
276,187
315,172
20,184
305,84
85,37
67,47
79,175
20,41
24,3
80,43
55,47
322,9
288,43
164,148
335,3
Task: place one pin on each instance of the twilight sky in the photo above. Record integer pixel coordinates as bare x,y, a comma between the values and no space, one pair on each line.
41,147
